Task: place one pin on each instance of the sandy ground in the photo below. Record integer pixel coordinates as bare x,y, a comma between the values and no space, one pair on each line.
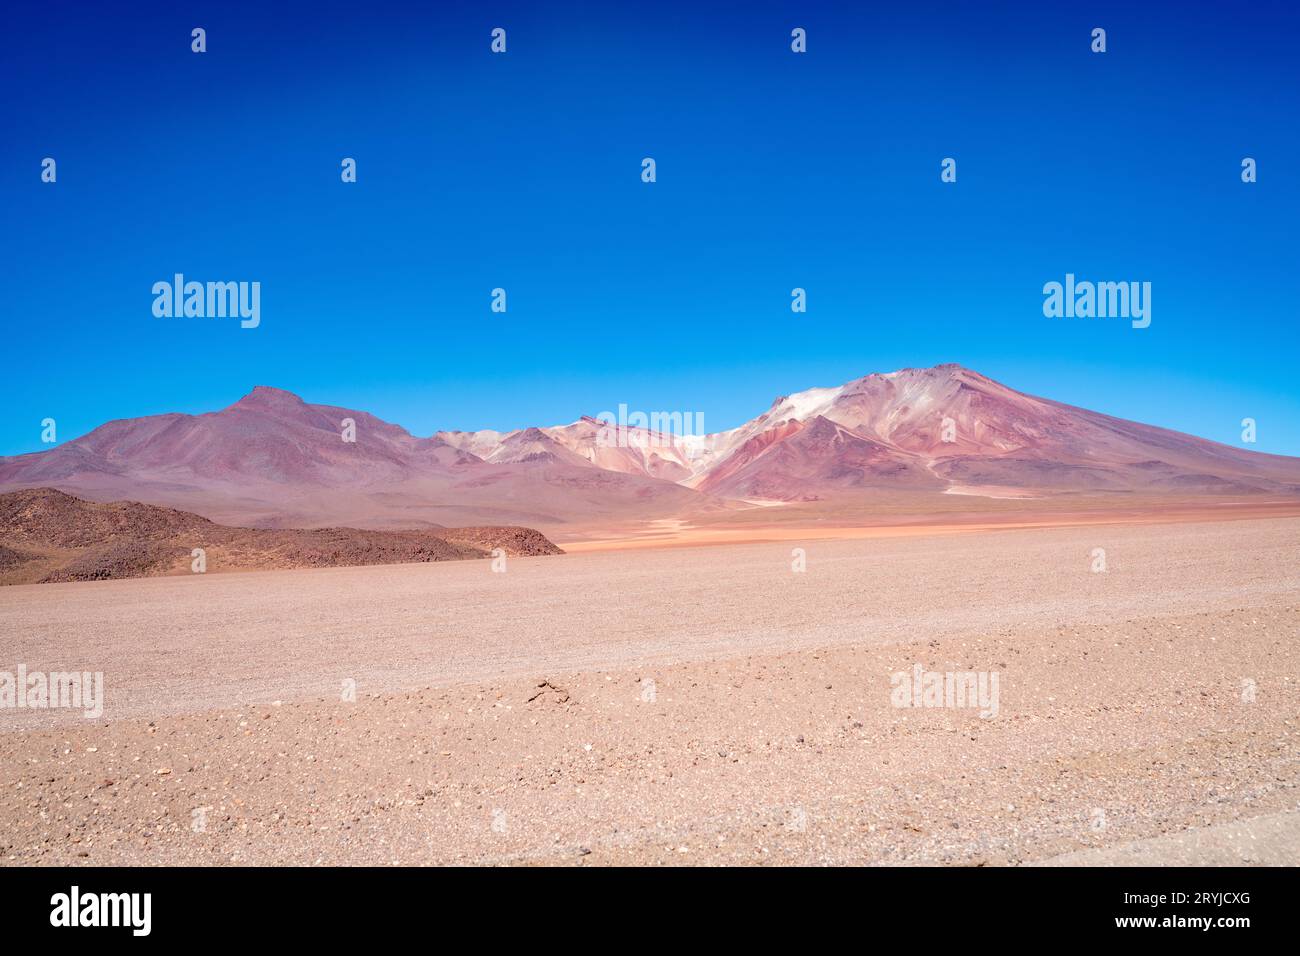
902,516
1270,840
678,705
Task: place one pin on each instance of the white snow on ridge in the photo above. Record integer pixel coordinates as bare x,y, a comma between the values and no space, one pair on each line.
808,403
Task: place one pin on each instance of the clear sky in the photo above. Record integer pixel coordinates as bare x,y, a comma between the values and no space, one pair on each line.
522,171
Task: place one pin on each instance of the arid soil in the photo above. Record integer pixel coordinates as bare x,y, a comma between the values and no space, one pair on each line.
47,536
678,705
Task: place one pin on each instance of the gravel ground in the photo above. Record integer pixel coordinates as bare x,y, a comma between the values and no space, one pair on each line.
682,706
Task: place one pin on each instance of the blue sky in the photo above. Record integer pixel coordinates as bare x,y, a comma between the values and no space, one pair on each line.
522,171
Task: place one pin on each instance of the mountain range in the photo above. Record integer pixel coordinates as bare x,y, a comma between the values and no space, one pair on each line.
273,460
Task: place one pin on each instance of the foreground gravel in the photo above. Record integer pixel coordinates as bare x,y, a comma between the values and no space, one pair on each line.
685,706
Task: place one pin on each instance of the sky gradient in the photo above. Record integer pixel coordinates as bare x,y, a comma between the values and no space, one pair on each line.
522,171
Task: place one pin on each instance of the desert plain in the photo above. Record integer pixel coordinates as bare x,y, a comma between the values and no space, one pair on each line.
693,704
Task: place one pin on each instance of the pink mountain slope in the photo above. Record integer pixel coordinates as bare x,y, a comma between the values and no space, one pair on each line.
807,460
